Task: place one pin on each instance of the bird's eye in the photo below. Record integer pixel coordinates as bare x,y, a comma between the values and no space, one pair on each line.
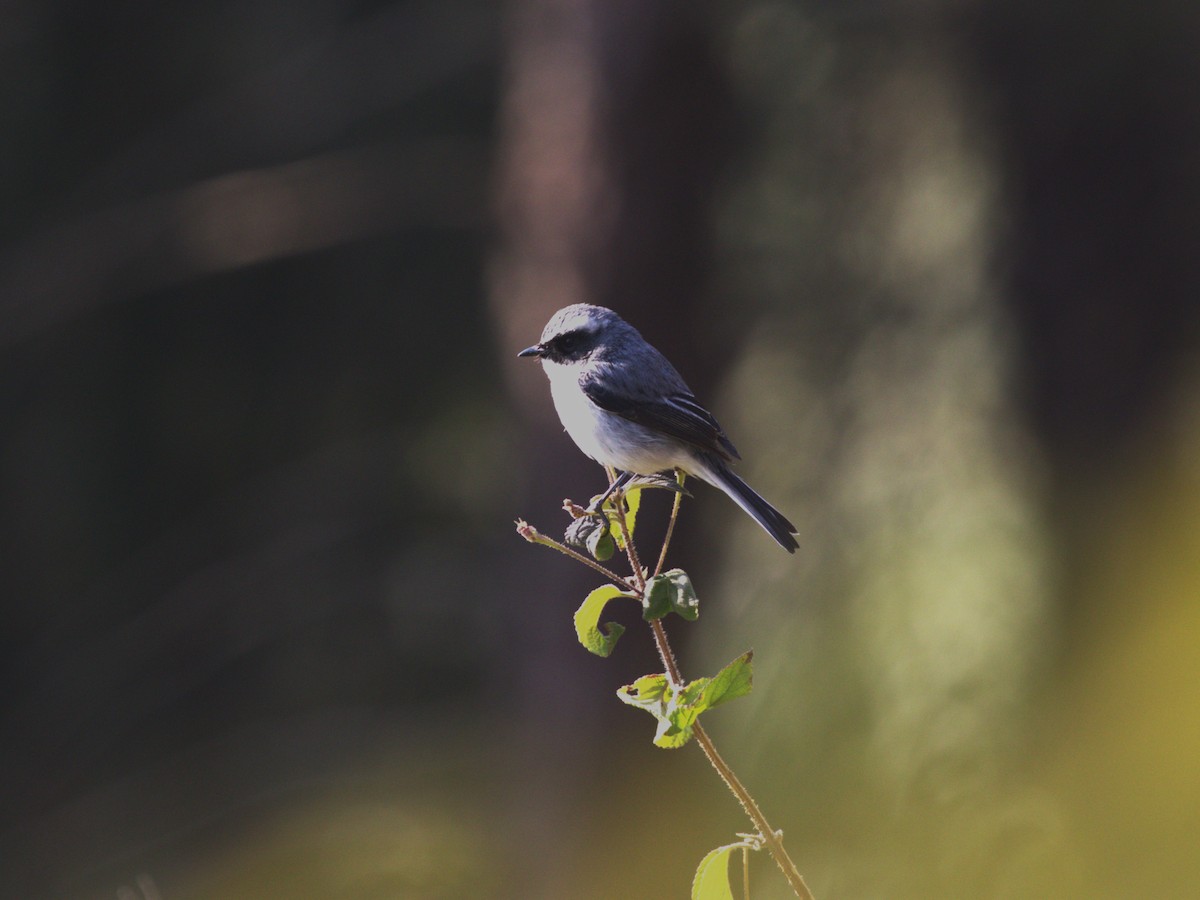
568,343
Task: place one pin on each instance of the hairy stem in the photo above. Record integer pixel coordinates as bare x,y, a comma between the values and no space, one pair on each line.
531,534
630,549
771,838
773,841
666,654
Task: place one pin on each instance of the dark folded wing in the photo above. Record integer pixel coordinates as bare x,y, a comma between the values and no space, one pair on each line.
678,415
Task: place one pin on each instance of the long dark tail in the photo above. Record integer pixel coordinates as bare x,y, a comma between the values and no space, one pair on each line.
772,520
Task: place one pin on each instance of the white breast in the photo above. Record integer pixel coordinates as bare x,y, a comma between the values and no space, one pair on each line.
605,437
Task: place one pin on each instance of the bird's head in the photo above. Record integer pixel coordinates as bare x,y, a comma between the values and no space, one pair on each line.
573,333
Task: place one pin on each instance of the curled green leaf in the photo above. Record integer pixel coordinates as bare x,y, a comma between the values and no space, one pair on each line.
592,533
600,545
596,638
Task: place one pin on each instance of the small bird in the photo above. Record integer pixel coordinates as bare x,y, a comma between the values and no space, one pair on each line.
625,406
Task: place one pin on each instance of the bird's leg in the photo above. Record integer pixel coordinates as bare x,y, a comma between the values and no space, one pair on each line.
619,482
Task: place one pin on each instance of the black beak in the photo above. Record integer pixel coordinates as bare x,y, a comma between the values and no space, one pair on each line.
535,350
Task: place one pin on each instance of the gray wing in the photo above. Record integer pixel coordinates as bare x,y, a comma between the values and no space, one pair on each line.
676,414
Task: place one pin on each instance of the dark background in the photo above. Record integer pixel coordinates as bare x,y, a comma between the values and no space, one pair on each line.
264,269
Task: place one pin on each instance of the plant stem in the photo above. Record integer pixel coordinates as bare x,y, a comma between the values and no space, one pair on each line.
666,654
531,534
630,549
662,556
770,838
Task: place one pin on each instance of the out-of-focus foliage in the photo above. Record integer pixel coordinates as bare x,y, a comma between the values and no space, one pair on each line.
263,270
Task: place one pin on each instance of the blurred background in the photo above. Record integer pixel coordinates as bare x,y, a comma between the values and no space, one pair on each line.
264,270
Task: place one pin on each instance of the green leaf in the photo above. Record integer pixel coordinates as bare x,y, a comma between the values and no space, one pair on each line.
587,621
633,500
600,544
676,711
733,681
646,691
712,875
591,532
682,712
672,591
654,694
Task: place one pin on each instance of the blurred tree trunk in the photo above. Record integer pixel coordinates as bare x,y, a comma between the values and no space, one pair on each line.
617,120
611,134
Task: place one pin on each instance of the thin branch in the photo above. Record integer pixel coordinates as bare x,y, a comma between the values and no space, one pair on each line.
772,838
674,675
531,534
662,556
630,549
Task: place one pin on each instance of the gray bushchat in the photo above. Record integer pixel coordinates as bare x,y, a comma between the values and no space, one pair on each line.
625,406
